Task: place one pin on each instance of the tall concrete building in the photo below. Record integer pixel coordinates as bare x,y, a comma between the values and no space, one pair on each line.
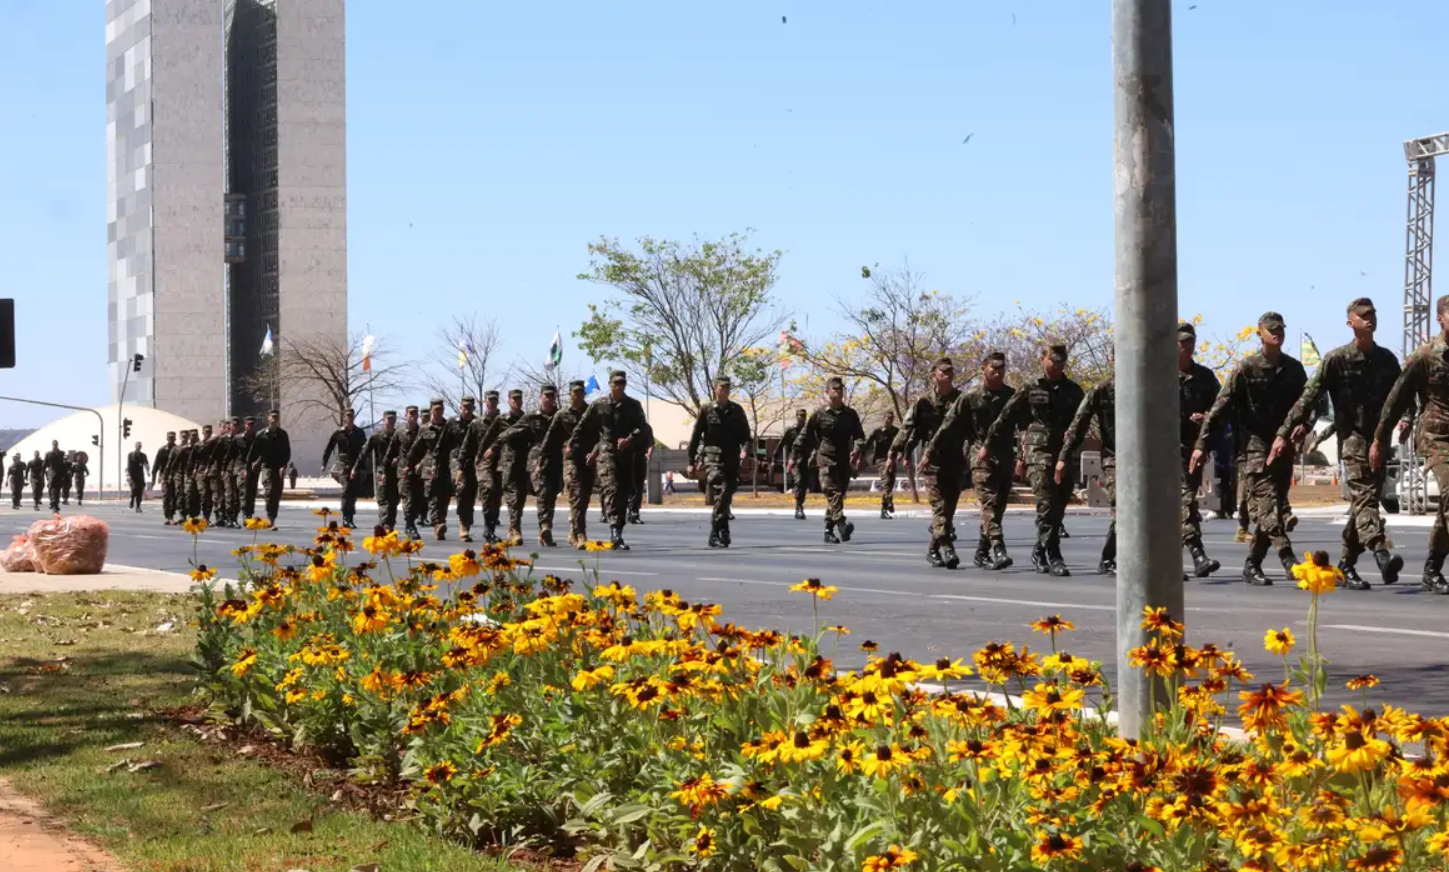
227,192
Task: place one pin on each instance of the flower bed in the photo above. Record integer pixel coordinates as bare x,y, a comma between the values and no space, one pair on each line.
648,733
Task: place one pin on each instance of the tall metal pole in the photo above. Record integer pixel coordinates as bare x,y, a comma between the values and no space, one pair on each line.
120,434
1145,206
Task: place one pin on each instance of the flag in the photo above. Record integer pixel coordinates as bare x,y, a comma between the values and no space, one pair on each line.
367,353
591,385
267,343
789,344
555,352
462,358
1309,355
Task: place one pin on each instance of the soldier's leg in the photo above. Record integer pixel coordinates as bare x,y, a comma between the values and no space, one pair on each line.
438,499
801,489
54,496
714,480
249,495
391,494
494,501
637,489
1203,566
274,494
940,523
1108,561
1040,479
515,494
546,503
16,492
35,489
1265,509
65,489
588,480
1439,535
466,500
614,493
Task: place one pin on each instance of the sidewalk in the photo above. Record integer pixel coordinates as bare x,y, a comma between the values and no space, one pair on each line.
31,841
112,577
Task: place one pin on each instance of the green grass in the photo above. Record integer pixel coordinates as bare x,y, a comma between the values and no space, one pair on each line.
57,717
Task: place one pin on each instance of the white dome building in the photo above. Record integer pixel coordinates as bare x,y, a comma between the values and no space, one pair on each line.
74,432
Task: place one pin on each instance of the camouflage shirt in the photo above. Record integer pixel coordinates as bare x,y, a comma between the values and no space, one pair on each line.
1356,382
833,435
556,440
1100,403
423,454
879,442
923,419
1044,409
789,446
1257,399
381,450
605,422
523,442
348,443
966,424
719,432
402,447
1196,390
1425,379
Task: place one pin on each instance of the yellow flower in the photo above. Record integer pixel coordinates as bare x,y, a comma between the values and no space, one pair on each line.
895,857
370,618
1049,847
1439,844
1157,619
384,546
244,662
1316,575
1363,682
703,844
194,526
1357,752
813,587
441,772
1051,698
1279,642
1052,624
884,760
594,545
202,573
258,524
592,678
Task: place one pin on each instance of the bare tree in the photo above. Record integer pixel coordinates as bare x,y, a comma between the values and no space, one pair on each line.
464,361
323,375
1021,336
531,377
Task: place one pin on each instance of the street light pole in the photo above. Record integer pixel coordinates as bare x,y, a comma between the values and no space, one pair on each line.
120,431
1145,211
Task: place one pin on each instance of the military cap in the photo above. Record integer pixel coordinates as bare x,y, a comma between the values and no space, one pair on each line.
389,414
170,432
995,357
467,401
616,375
577,385
435,403
490,395
515,394
1055,350
722,380
236,420
1185,330
206,426
349,411
835,381
801,412
249,420
943,363
1272,321
548,389
277,412
1361,305
411,409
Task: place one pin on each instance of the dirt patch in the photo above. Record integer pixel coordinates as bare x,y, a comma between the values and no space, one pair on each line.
32,841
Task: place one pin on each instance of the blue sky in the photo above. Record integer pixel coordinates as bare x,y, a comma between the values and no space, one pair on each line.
489,142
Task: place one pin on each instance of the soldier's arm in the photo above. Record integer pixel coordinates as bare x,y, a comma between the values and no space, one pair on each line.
285,442
809,438
743,432
1217,416
1081,422
696,434
955,427
1011,415
906,439
1401,395
857,436
586,433
1306,408
327,452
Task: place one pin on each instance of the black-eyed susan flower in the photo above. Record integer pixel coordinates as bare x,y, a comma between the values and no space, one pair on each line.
1357,752
258,524
244,662
1264,709
203,573
1363,682
1052,624
815,588
1051,846
194,526
440,773
1316,574
895,857
1160,622
884,759
1279,642
703,844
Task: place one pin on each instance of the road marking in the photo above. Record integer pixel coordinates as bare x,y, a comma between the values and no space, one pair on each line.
602,570
1017,602
1393,631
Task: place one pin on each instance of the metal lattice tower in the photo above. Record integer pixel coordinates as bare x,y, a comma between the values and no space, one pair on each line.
1419,288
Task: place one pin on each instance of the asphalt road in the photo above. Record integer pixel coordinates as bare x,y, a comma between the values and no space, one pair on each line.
890,595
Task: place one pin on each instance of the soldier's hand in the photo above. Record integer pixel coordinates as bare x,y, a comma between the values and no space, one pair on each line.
1061,471
1278,445
1020,468
623,444
1298,433
488,455
1197,417
891,464
1403,432
981,455
1376,455
1196,461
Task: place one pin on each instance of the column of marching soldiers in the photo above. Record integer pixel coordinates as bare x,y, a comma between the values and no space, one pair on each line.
985,435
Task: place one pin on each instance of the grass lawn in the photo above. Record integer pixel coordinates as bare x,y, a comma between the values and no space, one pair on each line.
83,672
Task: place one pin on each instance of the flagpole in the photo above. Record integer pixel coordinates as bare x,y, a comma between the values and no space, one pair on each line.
371,393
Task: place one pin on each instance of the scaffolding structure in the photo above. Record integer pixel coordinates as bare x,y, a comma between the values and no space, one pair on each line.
1418,291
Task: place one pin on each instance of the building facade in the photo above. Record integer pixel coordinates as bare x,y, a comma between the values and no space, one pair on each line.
226,151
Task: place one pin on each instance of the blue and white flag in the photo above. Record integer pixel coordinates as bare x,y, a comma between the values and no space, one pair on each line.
555,352
591,385
267,343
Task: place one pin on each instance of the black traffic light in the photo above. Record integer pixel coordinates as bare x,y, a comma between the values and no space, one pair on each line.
96,441
126,427
136,365
7,334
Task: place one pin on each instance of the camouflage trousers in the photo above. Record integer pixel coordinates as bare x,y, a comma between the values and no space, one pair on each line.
835,481
1109,484
616,485
232,482
800,485
1267,500
516,487
722,479
1191,517
439,487
887,474
138,489
249,482
217,481
465,482
17,490
992,483
579,480
273,478
1051,504
350,486
387,496
943,491
80,488
171,496
490,494
546,484
204,495
53,491
36,486
1245,514
414,500
1439,535
1365,528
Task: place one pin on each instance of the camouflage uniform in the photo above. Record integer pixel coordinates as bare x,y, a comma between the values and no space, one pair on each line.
966,424
1099,403
831,436
242,472
641,481
720,431
410,479
233,475
216,476
36,467
159,472
524,468
271,452
78,473
381,451
878,444
461,465
16,476
483,433
1044,409
1358,383
943,476
1258,395
427,457
201,474
347,443
578,476
178,476
1425,379
604,423
1197,388
788,451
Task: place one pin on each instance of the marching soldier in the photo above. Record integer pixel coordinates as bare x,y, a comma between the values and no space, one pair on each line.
67,472
179,475
270,454
607,434
381,450
546,462
138,468
512,465
1100,403
1259,393
879,445
796,467
410,480
1044,409
216,472
1425,379
943,482
55,468
1357,377
78,472
578,474
229,474
347,441
833,436
462,466
1197,388
16,476
642,455
525,465
432,464
159,472
965,427
490,481
242,472
36,468
201,471
721,433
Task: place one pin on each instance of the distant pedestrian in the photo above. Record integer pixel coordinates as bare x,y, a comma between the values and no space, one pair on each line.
65,476
138,468
669,483
291,476
16,477
78,473
56,470
36,468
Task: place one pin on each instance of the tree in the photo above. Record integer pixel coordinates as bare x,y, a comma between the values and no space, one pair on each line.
1021,335
324,375
756,375
531,377
683,312
451,377
895,333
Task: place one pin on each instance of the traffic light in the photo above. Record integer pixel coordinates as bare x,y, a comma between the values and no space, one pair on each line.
7,334
126,427
96,441
136,365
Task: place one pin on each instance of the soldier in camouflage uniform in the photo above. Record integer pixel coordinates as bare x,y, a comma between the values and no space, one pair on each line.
201,471
720,433
490,479
410,480
216,471
879,443
608,434
834,436
231,480
347,443
526,466
36,468
431,463
1100,403
642,455
1425,382
176,477
1044,409
943,477
271,453
16,476
578,475
1197,388
380,450
461,466
1357,377
1258,395
796,467
159,473
513,472
242,471
964,429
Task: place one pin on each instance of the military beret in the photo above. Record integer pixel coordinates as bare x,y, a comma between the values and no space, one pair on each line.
435,403
467,401
943,363
411,409
1362,304
490,395
617,375
1271,320
515,395
577,385
995,357
1185,330
548,389
389,414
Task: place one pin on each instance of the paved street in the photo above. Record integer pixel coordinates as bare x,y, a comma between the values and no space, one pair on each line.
889,594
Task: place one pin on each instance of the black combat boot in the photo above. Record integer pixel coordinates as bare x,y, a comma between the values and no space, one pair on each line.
1286,558
1389,564
412,532
846,530
1108,564
465,533
1062,532
982,558
545,538
1253,573
441,532
1202,565
1351,579
1038,558
799,513
933,556
949,558
999,558
1433,575
830,537
714,536
1290,523
616,538
634,518
1056,565
724,534
884,514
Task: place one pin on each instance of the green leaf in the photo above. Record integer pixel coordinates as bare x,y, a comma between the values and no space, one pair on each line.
1151,826
865,834
628,814
797,862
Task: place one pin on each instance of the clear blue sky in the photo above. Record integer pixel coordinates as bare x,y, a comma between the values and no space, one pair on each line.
489,142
